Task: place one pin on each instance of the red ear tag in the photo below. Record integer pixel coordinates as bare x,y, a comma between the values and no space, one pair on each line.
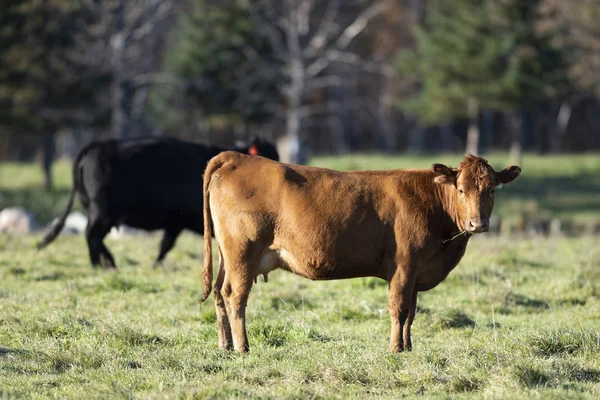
252,150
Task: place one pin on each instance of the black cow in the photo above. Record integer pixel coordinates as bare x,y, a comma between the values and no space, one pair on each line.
147,183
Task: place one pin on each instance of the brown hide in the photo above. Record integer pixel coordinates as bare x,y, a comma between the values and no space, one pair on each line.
398,225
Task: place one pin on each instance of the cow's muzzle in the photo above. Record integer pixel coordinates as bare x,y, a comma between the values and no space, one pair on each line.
477,226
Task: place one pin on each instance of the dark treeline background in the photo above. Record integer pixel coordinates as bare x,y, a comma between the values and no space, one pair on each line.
329,76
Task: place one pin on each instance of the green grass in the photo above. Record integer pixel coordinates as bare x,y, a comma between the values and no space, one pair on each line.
21,184
516,319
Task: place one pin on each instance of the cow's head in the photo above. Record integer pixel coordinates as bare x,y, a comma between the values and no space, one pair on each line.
473,185
260,147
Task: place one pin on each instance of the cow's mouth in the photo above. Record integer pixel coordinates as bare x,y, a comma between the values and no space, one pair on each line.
459,234
477,231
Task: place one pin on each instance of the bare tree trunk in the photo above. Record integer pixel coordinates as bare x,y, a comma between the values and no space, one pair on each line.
337,140
292,123
349,120
416,138
48,155
389,140
593,121
295,90
118,95
562,122
121,104
446,137
487,133
473,131
47,128
292,134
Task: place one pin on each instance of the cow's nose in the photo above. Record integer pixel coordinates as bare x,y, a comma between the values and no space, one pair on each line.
477,226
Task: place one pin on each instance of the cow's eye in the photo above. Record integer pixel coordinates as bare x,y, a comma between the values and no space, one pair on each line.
461,191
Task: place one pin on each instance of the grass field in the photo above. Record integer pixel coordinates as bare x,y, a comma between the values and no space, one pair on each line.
516,319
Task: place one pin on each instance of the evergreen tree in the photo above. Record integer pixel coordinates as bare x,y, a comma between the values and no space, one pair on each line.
474,54
578,34
225,63
46,81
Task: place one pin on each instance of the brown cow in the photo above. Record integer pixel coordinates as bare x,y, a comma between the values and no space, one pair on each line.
409,227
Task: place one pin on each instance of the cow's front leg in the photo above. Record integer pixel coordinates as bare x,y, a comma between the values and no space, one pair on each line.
400,298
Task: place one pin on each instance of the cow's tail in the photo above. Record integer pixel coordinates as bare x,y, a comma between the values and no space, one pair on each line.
207,272
50,236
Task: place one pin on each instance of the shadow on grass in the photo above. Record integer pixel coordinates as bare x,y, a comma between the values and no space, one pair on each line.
557,194
135,337
454,318
512,302
515,299
29,362
530,376
4,351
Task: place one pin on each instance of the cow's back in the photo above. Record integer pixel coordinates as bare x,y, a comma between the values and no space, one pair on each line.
147,183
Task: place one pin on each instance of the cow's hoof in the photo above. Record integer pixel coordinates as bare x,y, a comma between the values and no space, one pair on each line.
226,347
109,266
243,349
396,349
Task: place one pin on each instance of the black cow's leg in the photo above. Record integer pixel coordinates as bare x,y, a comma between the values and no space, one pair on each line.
167,242
400,297
95,232
106,258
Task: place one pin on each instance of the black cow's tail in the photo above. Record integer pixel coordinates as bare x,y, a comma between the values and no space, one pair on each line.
50,236
207,273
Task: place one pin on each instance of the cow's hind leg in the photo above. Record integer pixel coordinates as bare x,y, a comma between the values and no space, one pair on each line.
400,298
106,258
167,242
411,316
223,326
95,232
236,290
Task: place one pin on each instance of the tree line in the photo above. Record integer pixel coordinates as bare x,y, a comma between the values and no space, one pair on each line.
331,76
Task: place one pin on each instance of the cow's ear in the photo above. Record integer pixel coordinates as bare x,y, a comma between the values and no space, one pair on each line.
507,175
445,174
253,148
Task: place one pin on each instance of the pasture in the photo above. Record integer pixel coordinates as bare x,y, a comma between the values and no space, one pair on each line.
518,318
